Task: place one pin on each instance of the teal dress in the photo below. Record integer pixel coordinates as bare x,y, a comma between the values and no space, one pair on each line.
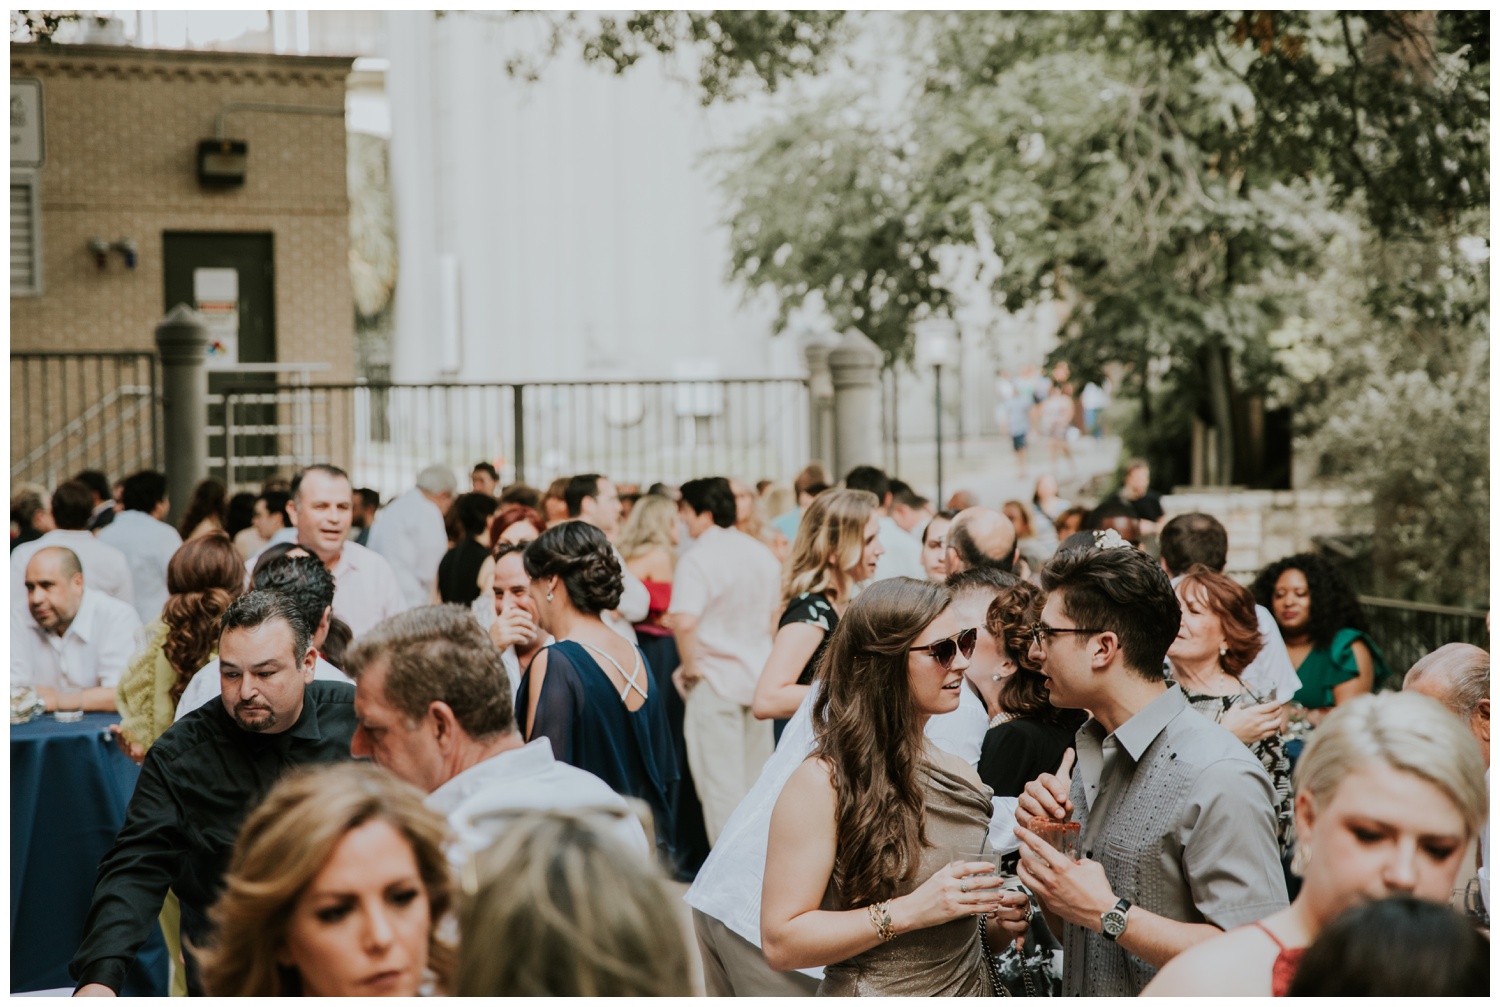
1326,667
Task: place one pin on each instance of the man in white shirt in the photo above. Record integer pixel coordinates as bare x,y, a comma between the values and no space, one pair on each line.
145,540
321,509
302,577
70,639
434,707
903,553
909,509
1201,538
411,533
593,498
726,595
103,564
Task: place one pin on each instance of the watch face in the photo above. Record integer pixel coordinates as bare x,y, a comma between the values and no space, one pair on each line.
1113,923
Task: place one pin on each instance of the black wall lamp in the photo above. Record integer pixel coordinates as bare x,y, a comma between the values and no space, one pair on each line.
222,163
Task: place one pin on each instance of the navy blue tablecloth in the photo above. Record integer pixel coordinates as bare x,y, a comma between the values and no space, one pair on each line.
69,787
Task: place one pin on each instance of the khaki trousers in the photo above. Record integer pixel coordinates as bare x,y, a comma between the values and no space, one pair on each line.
726,748
733,967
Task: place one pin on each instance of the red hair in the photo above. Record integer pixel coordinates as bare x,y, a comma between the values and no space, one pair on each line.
1235,607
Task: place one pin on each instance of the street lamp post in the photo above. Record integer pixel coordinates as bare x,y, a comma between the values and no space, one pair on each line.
937,342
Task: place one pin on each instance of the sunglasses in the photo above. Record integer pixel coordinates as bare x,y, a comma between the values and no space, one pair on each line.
945,650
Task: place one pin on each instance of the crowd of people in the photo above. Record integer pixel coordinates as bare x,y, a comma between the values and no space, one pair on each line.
458,743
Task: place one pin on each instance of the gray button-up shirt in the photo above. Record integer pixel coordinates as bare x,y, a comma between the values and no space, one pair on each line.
1181,816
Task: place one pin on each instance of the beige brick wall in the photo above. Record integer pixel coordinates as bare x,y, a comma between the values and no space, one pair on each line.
122,130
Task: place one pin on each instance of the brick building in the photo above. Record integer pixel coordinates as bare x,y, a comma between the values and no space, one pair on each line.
121,128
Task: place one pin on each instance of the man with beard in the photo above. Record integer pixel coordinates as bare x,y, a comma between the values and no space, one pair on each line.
203,776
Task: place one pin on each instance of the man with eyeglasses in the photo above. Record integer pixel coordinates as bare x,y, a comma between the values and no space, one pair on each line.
1178,834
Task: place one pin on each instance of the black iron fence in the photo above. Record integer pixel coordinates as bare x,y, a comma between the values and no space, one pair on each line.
1406,630
635,431
73,411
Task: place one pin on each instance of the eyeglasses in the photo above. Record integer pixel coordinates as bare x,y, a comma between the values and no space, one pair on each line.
944,650
1041,633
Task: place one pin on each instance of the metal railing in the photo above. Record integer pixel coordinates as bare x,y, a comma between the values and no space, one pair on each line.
1407,630
635,431
72,411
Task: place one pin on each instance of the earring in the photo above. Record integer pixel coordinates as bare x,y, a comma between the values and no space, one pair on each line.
549,595
1300,856
1223,650
994,678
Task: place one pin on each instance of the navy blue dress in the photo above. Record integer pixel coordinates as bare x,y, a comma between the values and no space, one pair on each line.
581,713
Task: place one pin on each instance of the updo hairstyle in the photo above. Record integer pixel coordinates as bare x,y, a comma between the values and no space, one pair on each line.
581,555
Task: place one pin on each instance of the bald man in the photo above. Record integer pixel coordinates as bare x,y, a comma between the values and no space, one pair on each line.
70,639
980,537
1458,676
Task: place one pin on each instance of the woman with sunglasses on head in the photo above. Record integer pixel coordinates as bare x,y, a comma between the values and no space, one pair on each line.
1390,792
861,873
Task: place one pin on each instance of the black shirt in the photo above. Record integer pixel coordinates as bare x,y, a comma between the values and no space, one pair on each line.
1018,751
199,782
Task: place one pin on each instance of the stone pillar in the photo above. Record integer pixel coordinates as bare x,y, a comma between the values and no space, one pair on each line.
854,366
820,426
182,345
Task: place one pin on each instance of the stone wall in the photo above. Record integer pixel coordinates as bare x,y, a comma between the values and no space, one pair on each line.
1265,525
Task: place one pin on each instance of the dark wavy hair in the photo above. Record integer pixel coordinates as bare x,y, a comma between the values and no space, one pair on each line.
1009,620
581,555
203,577
1122,591
866,729
209,500
1332,604
1235,610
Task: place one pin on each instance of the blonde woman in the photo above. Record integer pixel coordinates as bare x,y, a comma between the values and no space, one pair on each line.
1390,792
837,546
561,909
337,886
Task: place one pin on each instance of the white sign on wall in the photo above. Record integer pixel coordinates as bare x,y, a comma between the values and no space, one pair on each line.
216,293
26,148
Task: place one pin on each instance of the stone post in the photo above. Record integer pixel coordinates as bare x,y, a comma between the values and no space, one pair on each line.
815,350
854,366
182,345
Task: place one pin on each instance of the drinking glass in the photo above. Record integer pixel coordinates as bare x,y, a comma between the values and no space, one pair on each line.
1065,837
1471,899
69,706
978,854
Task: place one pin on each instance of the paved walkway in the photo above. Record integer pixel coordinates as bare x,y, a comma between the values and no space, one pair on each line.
987,466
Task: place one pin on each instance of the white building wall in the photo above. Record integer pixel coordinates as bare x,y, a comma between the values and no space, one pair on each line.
585,229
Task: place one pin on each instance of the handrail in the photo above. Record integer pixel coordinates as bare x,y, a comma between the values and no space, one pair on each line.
1420,606
82,420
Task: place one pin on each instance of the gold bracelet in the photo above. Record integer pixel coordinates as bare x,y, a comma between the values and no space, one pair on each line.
880,919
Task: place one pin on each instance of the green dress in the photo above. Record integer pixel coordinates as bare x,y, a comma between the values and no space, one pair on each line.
1326,667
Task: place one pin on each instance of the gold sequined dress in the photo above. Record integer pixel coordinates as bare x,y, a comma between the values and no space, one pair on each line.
943,960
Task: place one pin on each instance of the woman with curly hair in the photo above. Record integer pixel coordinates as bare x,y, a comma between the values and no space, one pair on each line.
1324,629
337,887
1216,641
563,909
1027,735
203,576
860,868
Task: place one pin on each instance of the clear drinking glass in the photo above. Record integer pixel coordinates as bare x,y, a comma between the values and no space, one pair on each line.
1065,837
978,854
1471,899
69,706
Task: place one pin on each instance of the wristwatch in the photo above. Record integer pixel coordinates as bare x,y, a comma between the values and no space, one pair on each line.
1112,923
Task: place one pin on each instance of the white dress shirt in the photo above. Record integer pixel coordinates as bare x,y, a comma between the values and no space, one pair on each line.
903,553
104,566
204,685
92,652
731,583
729,882
410,534
474,801
147,545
